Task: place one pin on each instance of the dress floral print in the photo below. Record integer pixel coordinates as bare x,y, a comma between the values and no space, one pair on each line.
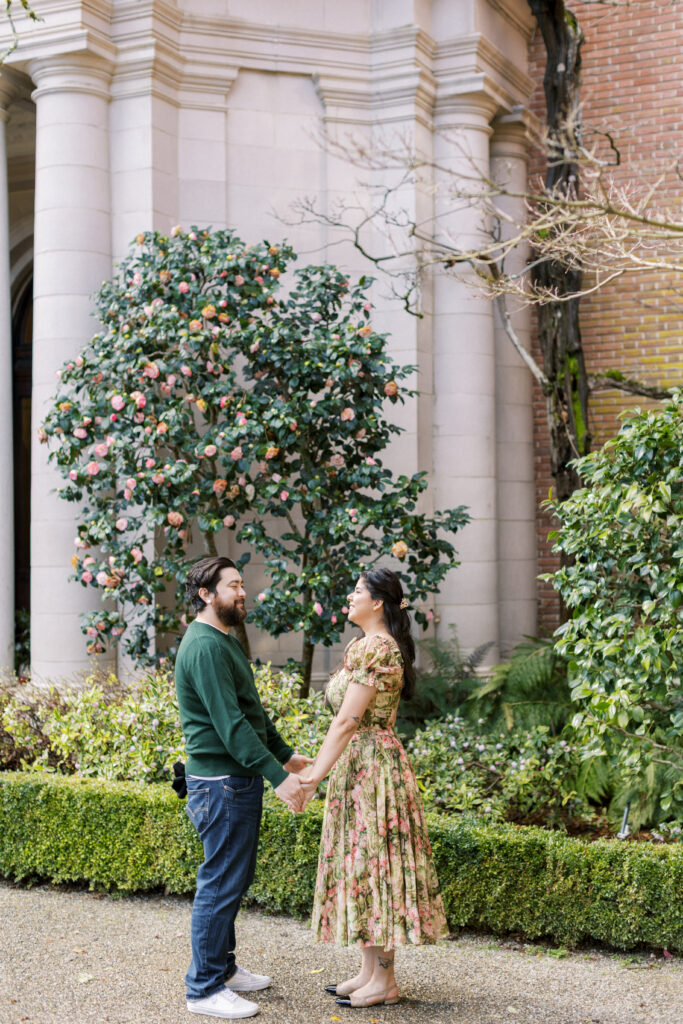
376,884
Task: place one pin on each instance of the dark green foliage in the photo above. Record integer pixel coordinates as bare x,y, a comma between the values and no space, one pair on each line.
529,689
499,878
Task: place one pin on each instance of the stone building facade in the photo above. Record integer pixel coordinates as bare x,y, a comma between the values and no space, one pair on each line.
125,115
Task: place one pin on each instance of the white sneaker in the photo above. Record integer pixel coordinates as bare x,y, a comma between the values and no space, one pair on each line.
244,981
224,1003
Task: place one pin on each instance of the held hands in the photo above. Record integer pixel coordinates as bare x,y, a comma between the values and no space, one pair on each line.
297,763
292,792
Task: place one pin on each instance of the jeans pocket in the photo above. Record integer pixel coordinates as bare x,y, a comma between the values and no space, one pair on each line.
238,784
197,807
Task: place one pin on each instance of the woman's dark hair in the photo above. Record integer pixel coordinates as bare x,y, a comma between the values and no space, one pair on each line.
384,585
205,573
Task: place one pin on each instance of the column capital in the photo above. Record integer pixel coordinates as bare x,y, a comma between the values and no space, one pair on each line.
512,134
74,72
468,103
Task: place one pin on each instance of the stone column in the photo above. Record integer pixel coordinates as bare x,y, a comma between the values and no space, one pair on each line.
7,93
514,410
464,373
72,258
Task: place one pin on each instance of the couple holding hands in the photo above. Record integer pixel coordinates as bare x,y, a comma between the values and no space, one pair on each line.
376,886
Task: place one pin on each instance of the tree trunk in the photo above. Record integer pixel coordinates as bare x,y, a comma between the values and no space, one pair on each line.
558,322
239,630
306,666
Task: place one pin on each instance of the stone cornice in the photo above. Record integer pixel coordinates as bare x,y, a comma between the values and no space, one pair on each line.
476,54
67,26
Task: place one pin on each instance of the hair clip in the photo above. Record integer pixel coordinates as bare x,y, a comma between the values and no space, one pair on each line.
404,603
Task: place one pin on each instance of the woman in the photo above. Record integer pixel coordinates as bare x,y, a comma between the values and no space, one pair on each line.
377,887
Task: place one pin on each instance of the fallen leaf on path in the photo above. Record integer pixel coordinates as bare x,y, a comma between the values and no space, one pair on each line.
83,979
318,970
79,951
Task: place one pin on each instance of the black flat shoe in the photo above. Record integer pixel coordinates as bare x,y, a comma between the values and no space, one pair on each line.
332,989
382,1001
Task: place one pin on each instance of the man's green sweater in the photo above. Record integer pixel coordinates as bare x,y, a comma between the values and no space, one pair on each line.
227,731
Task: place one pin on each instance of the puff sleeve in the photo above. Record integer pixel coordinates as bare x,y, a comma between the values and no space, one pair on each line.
373,661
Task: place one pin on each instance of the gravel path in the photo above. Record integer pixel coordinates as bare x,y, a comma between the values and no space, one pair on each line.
69,957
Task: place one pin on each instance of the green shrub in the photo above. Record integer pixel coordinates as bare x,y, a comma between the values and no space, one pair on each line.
499,878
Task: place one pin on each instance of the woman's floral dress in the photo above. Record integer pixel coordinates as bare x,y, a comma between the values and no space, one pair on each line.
376,884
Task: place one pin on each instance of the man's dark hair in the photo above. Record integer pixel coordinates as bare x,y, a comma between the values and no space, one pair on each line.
205,573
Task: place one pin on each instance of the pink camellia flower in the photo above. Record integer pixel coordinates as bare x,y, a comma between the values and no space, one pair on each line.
345,610
229,521
333,619
149,463
175,230
139,416
102,578
118,402
367,307
137,555
239,280
192,236
316,317
175,518
254,347
183,287
219,486
151,370
158,478
223,401
162,428
87,577
185,370
121,524
210,450
137,277
318,608
272,452
165,388
148,310
276,478
370,461
390,388
80,433
102,450
87,421
73,475
258,279
261,596
429,615
131,483
353,511
91,631
347,414
241,480
293,425
236,454
241,419
171,379
139,399
93,468
113,417
284,495
127,493
337,461
215,332
195,325
88,560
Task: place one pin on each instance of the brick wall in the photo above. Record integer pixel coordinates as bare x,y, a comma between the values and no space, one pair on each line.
633,88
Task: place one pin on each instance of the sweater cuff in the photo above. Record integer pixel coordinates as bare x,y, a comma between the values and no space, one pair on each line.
275,773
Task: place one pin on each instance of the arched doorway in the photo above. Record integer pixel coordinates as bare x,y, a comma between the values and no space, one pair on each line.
22,359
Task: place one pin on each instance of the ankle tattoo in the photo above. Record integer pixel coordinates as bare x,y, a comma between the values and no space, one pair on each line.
385,962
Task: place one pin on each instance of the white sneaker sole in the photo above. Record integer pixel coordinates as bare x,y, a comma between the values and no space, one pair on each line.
237,1015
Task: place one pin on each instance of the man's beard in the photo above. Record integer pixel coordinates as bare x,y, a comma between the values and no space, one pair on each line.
230,614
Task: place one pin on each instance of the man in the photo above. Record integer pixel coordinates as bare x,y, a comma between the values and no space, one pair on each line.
231,746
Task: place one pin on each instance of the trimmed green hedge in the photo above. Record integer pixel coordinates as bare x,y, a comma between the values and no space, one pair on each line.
503,879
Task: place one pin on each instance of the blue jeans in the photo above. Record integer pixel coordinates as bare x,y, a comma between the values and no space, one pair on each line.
227,816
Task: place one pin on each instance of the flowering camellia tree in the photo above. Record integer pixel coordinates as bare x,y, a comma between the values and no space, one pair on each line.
311,438
137,423
208,403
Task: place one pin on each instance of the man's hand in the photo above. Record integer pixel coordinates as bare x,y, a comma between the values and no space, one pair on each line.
292,793
297,763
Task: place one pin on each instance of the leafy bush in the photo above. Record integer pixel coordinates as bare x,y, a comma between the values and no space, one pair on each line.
113,732
621,538
500,878
521,776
